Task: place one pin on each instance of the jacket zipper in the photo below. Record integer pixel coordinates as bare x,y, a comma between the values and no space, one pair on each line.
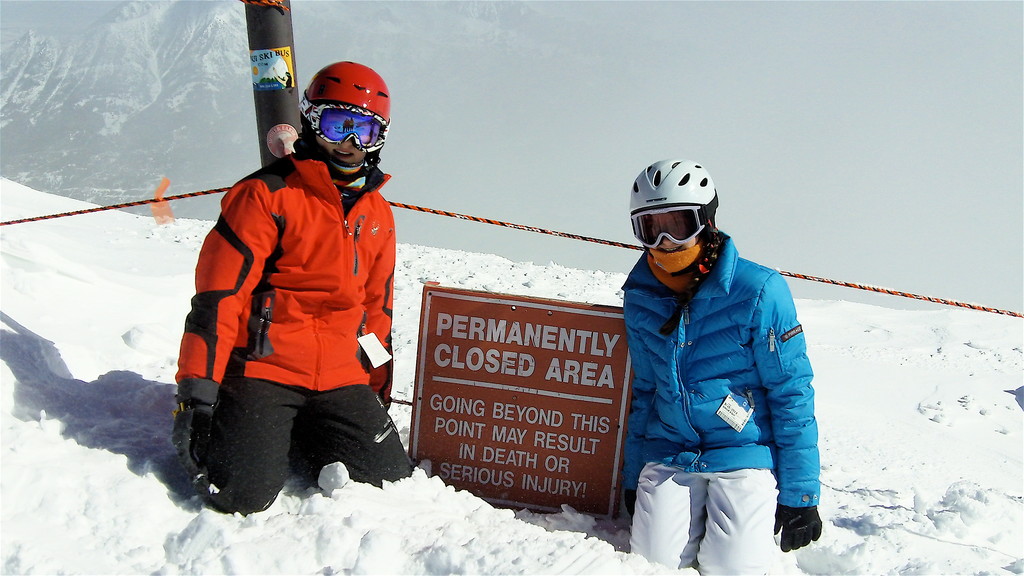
320,352
262,334
771,339
684,392
355,244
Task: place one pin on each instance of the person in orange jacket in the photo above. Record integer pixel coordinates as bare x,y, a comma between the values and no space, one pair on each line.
285,361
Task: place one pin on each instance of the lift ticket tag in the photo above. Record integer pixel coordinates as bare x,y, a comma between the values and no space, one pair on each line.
734,414
374,350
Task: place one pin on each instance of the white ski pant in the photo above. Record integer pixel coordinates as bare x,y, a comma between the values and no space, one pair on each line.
721,523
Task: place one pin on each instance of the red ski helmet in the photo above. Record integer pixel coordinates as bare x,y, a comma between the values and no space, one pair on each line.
354,84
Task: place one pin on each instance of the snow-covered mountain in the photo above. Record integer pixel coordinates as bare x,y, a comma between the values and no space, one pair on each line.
156,89
920,414
542,113
103,115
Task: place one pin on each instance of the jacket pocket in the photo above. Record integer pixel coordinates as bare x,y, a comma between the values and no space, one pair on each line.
716,427
364,360
774,350
260,320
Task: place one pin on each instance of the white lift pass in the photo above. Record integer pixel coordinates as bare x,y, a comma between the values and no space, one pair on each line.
734,414
374,350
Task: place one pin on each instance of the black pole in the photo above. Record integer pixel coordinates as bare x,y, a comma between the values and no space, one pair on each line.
272,54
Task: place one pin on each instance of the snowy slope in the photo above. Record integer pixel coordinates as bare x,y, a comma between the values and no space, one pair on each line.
920,413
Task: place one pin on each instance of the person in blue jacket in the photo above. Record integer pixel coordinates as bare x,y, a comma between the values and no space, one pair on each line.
722,441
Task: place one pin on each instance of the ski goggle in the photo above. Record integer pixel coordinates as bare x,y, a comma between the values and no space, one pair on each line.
338,122
678,224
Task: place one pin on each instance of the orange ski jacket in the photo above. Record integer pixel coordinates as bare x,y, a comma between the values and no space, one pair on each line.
286,282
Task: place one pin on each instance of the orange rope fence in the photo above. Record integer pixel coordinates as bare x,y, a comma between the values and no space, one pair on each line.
279,4
114,206
542,231
783,272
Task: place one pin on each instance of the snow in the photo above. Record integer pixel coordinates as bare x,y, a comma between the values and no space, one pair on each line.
920,415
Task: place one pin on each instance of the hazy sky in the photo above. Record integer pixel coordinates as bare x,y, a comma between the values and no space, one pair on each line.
871,142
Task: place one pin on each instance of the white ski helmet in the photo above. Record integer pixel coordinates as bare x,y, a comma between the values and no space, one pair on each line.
670,184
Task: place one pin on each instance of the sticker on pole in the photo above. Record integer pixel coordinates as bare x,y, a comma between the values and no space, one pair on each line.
522,401
281,140
272,69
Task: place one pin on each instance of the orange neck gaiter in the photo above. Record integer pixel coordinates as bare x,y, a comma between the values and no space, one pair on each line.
664,264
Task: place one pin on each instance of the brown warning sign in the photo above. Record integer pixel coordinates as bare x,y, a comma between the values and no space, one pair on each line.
522,401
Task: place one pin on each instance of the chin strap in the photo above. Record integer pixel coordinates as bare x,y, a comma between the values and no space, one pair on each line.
372,158
697,265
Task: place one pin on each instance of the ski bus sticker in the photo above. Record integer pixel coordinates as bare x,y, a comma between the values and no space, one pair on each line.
272,69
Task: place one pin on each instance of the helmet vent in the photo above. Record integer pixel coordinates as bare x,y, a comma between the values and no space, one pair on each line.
657,178
685,179
674,164
635,188
703,182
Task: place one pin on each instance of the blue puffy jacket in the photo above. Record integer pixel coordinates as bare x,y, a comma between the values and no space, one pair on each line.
739,337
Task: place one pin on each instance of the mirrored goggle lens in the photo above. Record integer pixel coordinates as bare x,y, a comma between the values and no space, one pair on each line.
678,225
337,124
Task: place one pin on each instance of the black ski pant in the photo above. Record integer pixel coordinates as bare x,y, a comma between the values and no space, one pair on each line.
262,431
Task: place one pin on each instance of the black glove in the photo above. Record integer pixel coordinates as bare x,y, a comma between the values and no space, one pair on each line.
629,498
799,526
193,421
